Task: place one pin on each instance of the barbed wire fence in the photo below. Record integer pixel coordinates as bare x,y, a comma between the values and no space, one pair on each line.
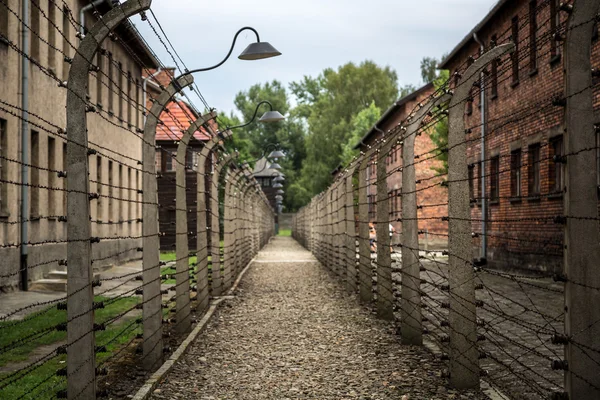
97,201
527,335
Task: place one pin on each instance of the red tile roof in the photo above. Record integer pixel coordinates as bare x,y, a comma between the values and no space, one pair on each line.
177,117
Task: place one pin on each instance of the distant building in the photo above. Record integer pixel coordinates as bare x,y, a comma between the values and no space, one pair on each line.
433,198
116,93
176,119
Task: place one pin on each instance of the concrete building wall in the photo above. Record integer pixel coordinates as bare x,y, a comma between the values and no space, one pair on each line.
520,116
112,131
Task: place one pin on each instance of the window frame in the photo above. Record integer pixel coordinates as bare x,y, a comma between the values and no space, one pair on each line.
516,172
533,170
495,179
556,170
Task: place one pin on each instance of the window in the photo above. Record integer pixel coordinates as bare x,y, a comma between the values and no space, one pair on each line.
137,103
34,24
110,191
478,182
554,24
533,35
51,176
121,194
494,71
169,157
138,195
99,79
3,21
51,34
515,54
34,206
158,160
64,167
515,173
3,167
130,195
495,178
534,169
100,201
120,90
372,206
111,84
66,46
129,97
556,166
471,175
266,182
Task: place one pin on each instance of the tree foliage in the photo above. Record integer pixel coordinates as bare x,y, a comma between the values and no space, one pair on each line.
439,135
329,102
361,123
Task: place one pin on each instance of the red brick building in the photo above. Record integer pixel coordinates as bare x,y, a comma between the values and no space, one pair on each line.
432,199
524,183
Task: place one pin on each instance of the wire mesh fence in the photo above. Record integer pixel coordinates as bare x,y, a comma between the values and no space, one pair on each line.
473,246
88,216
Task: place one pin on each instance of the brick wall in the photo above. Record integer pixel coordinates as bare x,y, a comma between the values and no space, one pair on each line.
521,116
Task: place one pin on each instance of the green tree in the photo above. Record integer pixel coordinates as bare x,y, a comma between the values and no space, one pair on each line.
439,135
328,103
360,125
429,70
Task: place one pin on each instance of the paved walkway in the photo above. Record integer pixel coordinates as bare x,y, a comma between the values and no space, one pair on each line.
292,332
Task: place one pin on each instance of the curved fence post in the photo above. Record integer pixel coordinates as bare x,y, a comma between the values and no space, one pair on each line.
412,324
350,232
385,295
152,311
182,268
364,247
81,360
464,362
582,249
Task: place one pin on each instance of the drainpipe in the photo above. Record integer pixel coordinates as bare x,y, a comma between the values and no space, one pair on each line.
482,169
144,88
85,9
24,147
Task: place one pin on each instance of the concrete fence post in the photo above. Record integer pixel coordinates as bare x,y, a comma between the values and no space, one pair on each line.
412,325
350,233
464,361
582,248
217,276
182,269
81,359
152,311
364,247
385,296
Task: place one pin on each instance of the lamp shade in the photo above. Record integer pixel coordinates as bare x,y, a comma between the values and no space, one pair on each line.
275,166
279,197
280,191
271,116
279,178
276,154
277,185
259,50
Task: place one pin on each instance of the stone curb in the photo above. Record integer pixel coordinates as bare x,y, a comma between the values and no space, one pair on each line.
146,390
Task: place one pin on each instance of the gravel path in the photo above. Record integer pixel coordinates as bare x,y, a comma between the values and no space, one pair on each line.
292,332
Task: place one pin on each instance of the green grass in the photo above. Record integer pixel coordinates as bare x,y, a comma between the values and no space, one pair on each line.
45,376
285,232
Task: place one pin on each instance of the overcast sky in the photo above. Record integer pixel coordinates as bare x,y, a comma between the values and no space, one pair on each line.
311,34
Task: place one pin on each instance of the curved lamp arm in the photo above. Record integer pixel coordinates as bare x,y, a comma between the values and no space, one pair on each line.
254,116
228,54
